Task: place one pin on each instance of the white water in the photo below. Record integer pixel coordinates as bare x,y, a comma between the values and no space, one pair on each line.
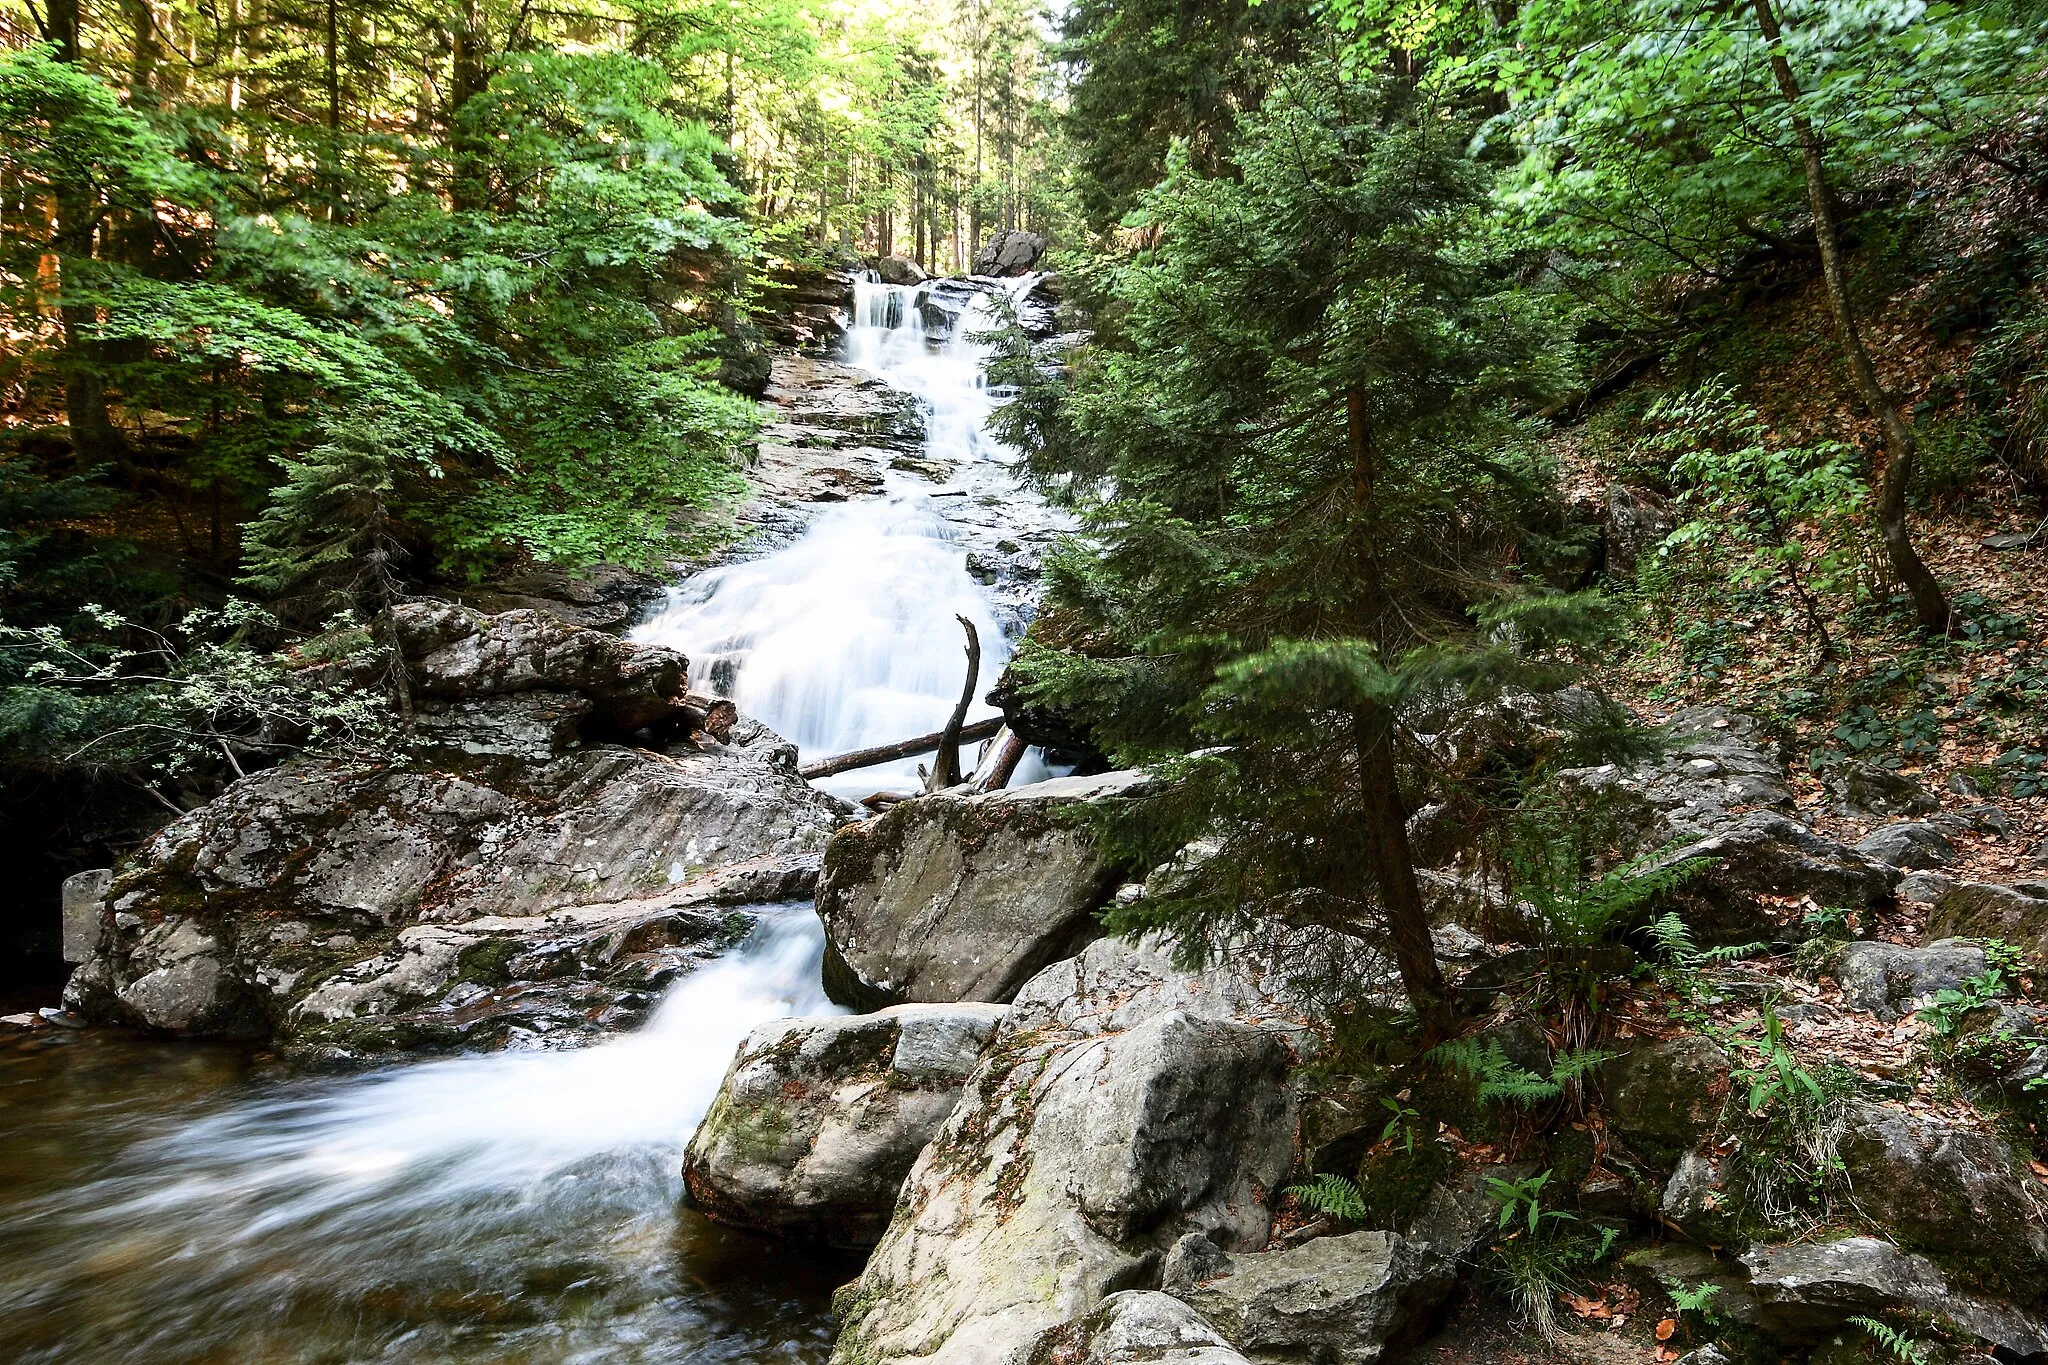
520,1206
847,638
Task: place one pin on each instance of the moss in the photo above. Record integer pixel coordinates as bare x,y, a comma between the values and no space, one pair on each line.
1395,1182
487,963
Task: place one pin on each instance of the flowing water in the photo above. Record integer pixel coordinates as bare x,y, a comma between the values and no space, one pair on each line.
847,638
165,1202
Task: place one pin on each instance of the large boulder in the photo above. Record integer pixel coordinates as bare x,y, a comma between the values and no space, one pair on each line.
1121,1105
1665,1095
899,270
955,897
1892,982
506,876
1989,910
1865,789
1951,1190
819,1120
1337,1299
1137,1327
1009,253
1806,1290
456,654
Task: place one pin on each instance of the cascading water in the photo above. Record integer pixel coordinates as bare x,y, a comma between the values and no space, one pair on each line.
847,639
164,1204
519,1206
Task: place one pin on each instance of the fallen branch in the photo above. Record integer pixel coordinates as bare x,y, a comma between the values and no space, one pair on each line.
946,768
996,772
713,716
903,748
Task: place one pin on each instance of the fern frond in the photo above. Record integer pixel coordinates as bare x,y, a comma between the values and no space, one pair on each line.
1333,1195
1892,1340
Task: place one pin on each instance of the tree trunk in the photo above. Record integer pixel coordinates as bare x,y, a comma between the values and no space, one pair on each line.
1385,825
93,435
1930,605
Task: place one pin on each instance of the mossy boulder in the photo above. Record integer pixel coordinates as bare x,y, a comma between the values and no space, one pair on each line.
819,1119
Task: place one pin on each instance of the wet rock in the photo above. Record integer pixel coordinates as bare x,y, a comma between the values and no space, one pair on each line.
900,270
1137,1327
1009,253
819,1120
1989,910
84,902
1942,1187
1807,1289
1341,1299
1864,789
1664,1095
955,897
1892,982
1120,1106
1913,844
335,905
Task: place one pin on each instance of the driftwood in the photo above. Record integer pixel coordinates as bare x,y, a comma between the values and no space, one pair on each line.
881,801
946,766
1002,765
902,748
714,716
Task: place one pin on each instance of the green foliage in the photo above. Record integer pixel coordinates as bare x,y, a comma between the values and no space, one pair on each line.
1753,505
1402,1121
1334,1195
1891,1340
172,707
1500,1078
1545,1250
1698,1299
1522,1201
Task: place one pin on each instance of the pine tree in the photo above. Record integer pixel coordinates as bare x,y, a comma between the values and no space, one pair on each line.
1292,451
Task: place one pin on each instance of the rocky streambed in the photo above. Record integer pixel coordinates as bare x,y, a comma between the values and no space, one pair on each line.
674,1095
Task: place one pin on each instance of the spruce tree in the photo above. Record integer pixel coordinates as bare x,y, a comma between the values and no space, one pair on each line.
1301,484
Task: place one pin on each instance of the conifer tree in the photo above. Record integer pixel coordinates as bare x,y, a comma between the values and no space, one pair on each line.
1292,452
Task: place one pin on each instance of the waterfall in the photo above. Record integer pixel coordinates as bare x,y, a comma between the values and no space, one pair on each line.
847,638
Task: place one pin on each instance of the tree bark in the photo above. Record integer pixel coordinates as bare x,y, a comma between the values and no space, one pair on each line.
946,765
1385,824
1930,604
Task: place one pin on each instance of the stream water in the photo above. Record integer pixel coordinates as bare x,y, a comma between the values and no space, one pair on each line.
166,1202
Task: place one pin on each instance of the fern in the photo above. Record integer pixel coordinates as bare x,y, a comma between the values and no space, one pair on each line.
1500,1078
1334,1195
1892,1340
1697,1299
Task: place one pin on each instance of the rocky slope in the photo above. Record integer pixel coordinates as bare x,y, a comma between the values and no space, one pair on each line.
516,873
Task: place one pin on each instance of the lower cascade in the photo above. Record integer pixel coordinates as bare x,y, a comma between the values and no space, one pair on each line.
179,1202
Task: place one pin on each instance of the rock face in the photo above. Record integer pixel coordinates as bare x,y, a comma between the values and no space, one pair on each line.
1892,982
1806,1290
1989,910
1666,1094
1636,520
953,897
819,1120
1340,1299
1137,1327
1911,844
510,878
1121,1105
900,270
1009,253
1862,789
1720,792
1950,1190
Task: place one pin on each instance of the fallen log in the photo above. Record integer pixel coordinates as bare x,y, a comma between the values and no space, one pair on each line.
902,748
1002,764
714,716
